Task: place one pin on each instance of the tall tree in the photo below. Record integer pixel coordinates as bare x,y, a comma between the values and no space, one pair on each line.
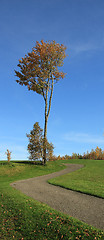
39,70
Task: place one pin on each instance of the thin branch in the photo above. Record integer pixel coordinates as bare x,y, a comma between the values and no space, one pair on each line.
43,94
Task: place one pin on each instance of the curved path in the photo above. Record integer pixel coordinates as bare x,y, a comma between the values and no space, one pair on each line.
84,207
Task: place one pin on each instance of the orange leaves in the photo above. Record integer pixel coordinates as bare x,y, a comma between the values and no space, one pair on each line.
62,237
45,58
8,153
49,223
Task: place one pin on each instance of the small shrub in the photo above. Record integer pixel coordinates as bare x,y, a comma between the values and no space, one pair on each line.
8,153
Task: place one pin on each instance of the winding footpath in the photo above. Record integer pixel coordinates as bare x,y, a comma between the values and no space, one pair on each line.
86,208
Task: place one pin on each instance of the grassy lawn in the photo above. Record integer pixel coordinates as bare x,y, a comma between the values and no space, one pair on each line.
89,179
24,218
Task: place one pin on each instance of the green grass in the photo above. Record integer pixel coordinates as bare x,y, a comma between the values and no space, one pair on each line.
23,218
89,179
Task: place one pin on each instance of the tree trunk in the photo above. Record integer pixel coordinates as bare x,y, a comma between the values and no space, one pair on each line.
47,111
44,143
45,127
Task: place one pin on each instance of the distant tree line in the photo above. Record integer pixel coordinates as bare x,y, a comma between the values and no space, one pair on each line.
97,154
35,149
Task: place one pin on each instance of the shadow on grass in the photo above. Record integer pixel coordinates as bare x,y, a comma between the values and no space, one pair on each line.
29,162
4,163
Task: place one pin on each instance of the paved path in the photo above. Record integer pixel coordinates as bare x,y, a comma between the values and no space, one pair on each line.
84,207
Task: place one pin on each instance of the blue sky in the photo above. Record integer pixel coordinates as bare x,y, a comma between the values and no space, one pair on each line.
76,121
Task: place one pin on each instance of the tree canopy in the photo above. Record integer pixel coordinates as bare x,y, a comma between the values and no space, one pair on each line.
38,66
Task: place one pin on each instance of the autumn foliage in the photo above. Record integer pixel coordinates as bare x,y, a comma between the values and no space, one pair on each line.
8,153
39,70
97,154
39,65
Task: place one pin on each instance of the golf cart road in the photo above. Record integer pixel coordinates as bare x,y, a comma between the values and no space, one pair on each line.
86,208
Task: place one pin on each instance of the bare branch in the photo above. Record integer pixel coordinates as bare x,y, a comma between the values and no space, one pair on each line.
43,94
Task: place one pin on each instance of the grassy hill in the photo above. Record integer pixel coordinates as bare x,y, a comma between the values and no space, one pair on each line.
24,218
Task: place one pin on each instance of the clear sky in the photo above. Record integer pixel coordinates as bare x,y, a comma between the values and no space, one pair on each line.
76,121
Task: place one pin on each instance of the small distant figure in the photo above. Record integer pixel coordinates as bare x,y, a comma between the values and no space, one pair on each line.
8,153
